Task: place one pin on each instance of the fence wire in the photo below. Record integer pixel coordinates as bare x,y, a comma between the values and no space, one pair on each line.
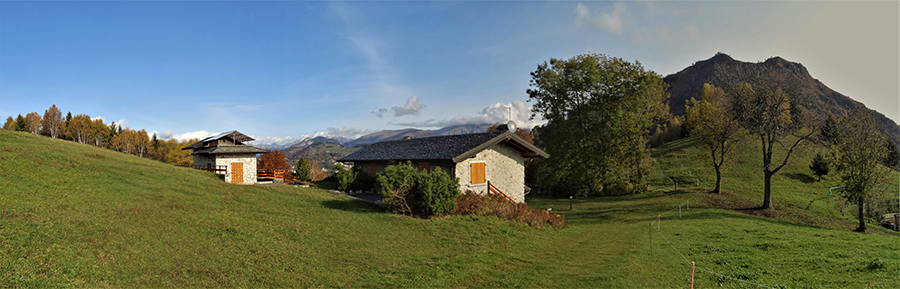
686,260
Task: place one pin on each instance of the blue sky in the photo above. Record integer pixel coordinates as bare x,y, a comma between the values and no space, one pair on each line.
282,70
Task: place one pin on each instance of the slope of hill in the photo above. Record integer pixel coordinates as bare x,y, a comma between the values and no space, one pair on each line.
79,216
689,82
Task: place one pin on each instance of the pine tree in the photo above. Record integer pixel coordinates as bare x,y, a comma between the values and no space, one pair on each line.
302,170
819,166
20,123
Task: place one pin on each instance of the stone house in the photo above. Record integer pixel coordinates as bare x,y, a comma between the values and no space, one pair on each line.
477,160
228,155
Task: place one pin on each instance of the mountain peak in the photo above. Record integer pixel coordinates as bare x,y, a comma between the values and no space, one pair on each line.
721,57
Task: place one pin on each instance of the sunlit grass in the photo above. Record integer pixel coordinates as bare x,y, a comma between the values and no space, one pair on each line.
78,216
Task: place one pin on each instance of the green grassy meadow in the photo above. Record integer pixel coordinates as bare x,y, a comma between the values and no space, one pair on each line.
78,216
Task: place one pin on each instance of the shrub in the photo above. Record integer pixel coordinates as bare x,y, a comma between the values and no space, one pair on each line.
405,190
344,178
491,205
439,191
353,179
395,186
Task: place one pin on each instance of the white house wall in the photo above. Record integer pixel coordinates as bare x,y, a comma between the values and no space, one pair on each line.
249,167
504,168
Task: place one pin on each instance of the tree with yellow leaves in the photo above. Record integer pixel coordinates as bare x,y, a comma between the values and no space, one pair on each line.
711,121
52,122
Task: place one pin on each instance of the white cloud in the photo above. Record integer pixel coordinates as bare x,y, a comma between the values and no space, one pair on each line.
121,123
494,114
200,134
412,107
610,21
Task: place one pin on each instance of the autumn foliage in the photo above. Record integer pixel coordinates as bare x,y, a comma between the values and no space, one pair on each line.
492,205
272,161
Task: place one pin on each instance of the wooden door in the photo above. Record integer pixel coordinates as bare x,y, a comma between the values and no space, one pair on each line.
237,173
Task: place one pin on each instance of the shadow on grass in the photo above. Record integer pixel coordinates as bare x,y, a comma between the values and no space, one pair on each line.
352,205
804,178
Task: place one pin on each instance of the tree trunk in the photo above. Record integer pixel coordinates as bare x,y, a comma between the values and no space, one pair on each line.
767,199
862,219
718,188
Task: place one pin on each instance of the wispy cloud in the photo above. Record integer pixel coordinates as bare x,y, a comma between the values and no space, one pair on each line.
498,113
611,21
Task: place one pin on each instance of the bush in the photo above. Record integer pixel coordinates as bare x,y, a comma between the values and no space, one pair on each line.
491,205
353,179
439,191
405,190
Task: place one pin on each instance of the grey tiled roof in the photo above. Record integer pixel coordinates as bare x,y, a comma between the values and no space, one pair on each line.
451,147
234,135
239,149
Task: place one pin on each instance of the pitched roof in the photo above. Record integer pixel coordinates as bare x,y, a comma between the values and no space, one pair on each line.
238,149
234,135
452,147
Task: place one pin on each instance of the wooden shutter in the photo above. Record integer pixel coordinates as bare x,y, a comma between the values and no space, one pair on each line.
476,173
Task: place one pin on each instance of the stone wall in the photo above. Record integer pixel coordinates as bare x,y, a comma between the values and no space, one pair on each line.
504,168
249,166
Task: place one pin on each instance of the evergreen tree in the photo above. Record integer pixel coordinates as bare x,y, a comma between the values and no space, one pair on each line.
20,123
302,170
819,166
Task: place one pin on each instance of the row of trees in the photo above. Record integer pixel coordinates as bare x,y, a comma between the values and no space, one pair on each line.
83,129
601,109
768,105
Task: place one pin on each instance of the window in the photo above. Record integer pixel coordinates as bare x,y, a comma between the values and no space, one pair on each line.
477,173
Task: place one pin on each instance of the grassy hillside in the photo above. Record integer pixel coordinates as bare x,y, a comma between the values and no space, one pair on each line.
78,216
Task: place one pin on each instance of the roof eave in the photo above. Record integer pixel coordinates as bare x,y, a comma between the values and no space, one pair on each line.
498,139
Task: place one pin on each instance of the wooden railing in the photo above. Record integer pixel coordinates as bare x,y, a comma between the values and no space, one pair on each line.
494,190
274,174
221,170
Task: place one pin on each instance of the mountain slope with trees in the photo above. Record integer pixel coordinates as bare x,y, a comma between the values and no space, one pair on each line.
689,82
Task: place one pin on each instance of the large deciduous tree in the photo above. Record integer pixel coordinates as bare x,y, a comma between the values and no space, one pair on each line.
711,121
769,102
10,123
859,150
52,122
33,122
600,109
80,128
272,161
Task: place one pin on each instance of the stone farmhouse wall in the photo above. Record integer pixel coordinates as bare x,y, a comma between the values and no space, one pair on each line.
249,167
504,168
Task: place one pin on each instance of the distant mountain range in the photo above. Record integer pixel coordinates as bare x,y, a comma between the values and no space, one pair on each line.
689,82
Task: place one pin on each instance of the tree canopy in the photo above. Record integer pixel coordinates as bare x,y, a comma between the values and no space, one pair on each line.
859,150
599,110
711,121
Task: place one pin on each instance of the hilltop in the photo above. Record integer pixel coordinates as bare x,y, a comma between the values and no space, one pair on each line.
689,82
